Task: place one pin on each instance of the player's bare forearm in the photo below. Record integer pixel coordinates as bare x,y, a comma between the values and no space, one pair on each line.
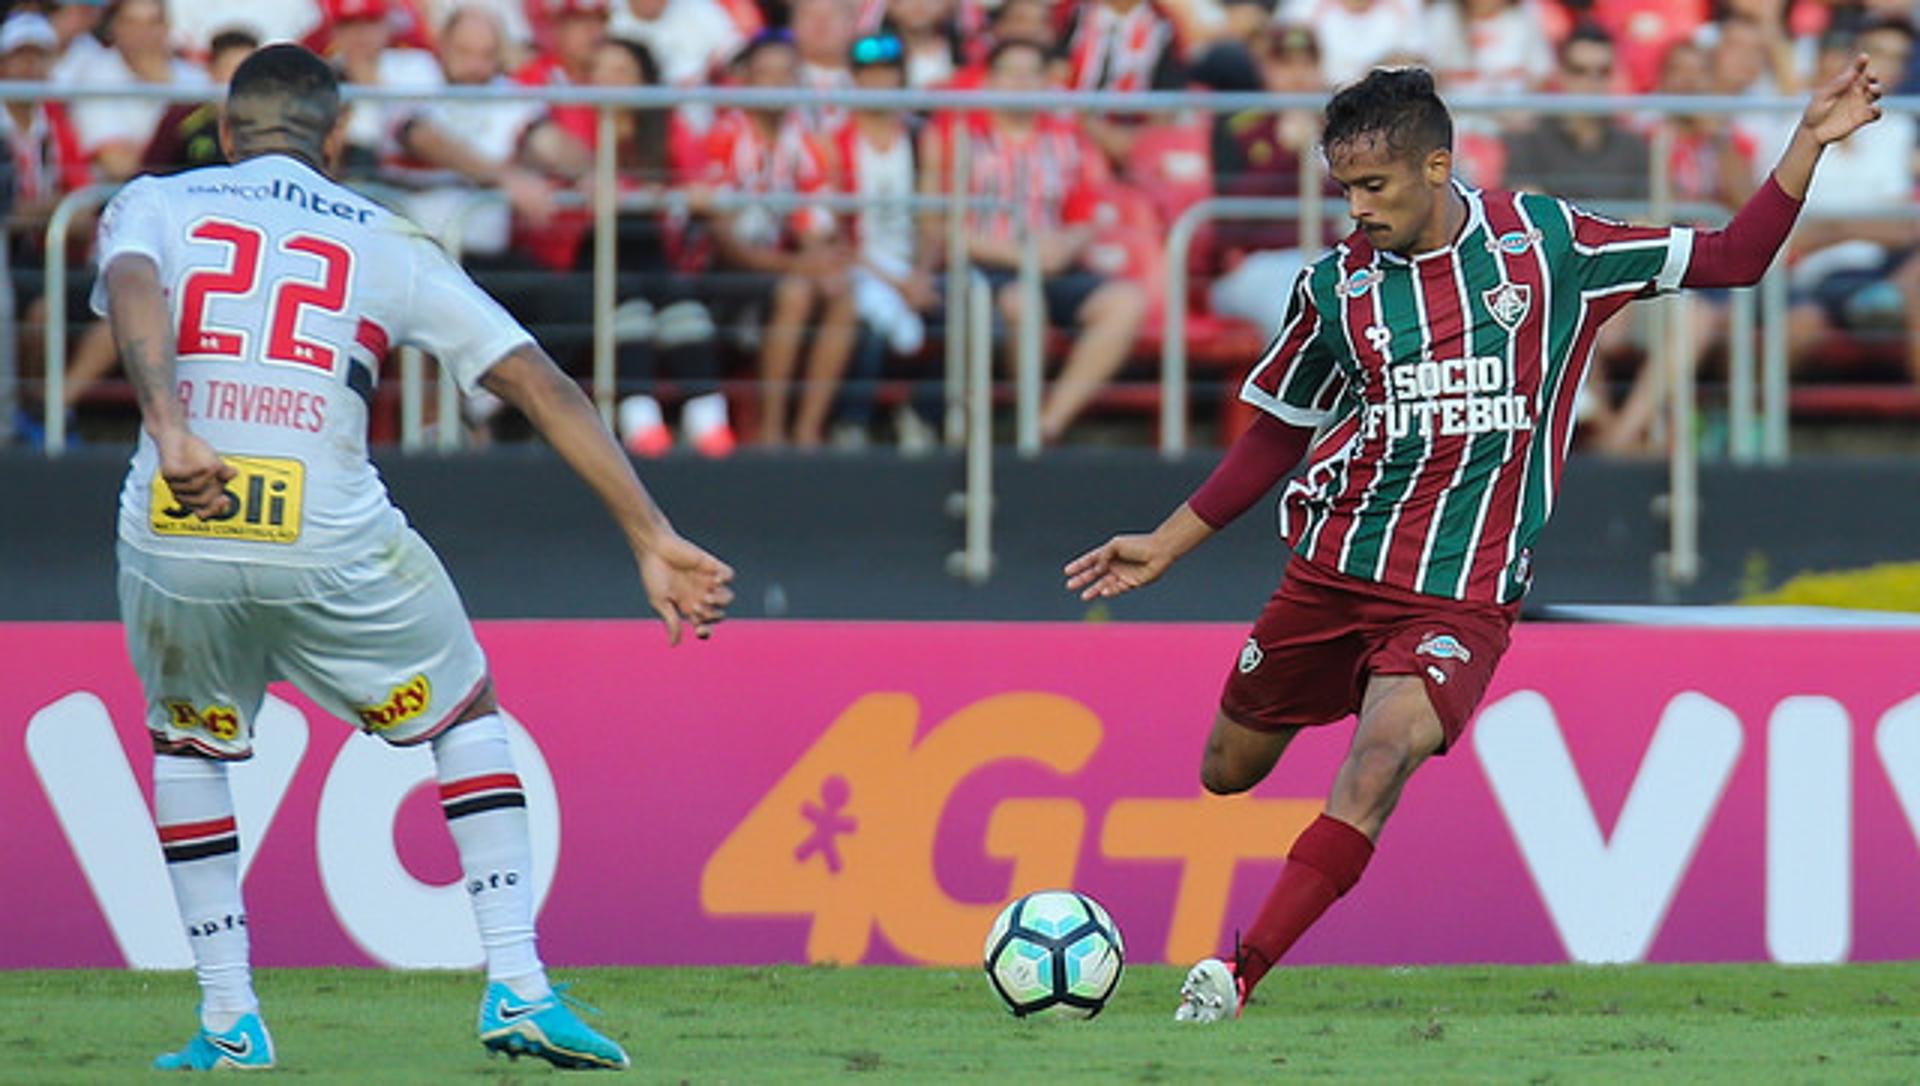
1182,531
550,399
1848,102
142,327
1794,171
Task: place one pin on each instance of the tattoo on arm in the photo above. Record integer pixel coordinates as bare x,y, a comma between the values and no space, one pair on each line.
142,330
151,376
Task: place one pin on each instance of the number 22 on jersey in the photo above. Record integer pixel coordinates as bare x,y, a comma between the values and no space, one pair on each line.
239,278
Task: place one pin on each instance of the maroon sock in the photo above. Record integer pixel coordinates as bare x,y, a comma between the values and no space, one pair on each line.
1324,863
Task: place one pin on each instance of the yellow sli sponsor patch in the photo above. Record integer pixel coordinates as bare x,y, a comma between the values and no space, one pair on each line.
267,495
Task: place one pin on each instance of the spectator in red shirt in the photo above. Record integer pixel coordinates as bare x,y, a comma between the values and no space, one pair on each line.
45,155
572,31
43,163
1644,30
1051,175
1712,159
1121,45
795,264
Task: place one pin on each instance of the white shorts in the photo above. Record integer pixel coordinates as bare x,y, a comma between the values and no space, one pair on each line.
382,642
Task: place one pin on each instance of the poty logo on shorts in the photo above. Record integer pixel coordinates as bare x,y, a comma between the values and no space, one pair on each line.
1443,647
1250,656
220,721
404,703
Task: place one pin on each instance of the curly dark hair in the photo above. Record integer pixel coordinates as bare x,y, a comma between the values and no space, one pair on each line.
1395,105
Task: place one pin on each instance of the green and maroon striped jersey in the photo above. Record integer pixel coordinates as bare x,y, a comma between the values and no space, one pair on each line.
1443,385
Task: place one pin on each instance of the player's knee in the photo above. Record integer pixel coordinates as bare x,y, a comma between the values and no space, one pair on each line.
1378,769
1220,776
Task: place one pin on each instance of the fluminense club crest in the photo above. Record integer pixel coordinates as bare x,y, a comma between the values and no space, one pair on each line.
1509,303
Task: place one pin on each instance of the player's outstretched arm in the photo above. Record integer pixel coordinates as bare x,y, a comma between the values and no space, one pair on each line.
1847,103
143,334
1127,562
1261,457
1738,254
684,583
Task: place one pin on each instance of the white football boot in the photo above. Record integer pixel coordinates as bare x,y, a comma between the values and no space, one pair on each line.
1211,992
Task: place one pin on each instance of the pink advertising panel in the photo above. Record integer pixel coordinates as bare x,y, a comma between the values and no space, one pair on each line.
873,792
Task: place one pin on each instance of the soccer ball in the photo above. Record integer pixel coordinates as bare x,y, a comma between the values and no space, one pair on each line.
1054,952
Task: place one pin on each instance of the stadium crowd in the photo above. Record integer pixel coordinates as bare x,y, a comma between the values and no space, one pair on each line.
808,327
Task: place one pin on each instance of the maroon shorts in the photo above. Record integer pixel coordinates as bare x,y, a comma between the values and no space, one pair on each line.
1324,633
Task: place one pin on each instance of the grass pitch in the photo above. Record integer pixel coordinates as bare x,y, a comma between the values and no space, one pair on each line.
1748,1024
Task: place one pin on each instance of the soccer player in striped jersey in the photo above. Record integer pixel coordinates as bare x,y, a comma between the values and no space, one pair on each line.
252,305
1426,370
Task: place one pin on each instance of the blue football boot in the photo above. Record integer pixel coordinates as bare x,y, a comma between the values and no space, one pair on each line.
245,1047
546,1028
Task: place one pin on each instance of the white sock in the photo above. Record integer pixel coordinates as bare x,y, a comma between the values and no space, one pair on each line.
487,813
637,413
703,414
193,811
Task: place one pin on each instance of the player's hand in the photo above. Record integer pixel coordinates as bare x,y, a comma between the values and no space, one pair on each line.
686,585
1849,101
1121,564
195,474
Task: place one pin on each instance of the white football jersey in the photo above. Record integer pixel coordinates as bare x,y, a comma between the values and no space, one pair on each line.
286,291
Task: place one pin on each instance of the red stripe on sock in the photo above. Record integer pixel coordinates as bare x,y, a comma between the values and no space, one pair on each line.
455,789
187,831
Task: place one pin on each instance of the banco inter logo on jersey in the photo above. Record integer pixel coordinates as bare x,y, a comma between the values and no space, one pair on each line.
287,293
264,500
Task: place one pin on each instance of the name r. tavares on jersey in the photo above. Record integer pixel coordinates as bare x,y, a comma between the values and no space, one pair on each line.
286,192
262,405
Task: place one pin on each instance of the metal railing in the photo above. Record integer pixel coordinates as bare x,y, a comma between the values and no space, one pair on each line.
602,381
968,410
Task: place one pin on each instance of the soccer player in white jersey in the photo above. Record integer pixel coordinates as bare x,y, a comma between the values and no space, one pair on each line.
251,305
1427,370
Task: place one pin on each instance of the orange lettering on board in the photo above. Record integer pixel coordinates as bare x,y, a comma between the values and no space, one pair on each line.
846,836
1209,836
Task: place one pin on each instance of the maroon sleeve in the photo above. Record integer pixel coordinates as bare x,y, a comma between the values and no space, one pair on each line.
1738,255
1260,458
